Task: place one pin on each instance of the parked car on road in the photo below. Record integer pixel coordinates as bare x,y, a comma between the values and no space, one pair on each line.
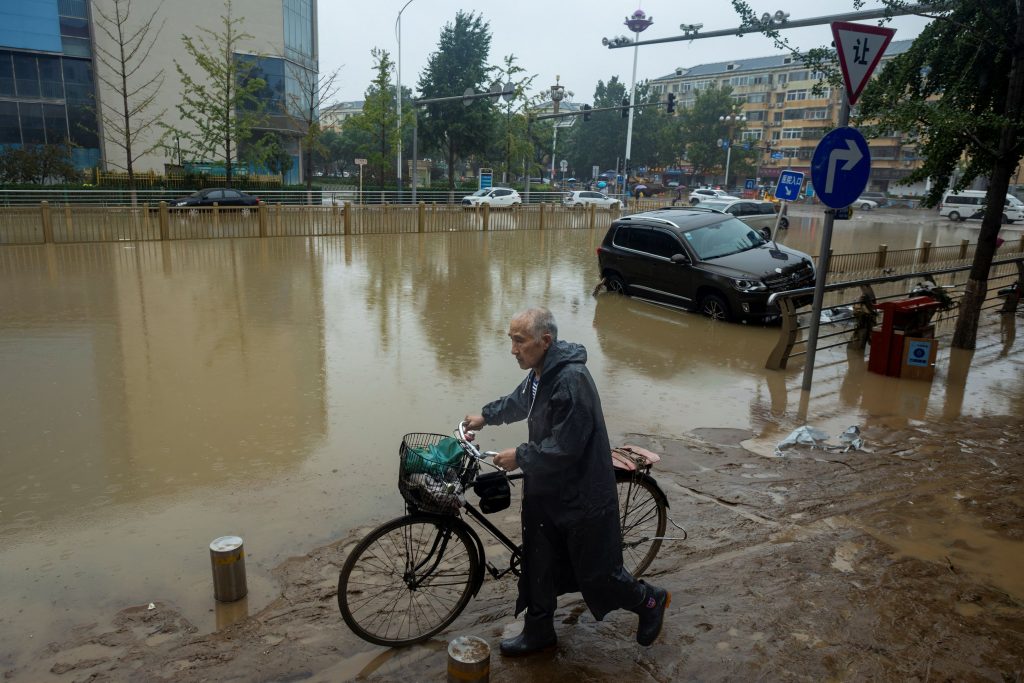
700,259
702,193
580,199
222,196
879,198
756,214
493,196
865,204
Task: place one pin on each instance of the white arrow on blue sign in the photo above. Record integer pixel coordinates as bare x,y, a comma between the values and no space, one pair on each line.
840,167
789,185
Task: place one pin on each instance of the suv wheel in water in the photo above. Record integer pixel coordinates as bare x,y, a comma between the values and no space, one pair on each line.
954,216
714,307
615,284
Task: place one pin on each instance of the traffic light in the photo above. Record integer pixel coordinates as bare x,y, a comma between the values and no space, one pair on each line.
670,106
625,107
586,112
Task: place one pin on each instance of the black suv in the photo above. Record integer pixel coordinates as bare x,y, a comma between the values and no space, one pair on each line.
700,259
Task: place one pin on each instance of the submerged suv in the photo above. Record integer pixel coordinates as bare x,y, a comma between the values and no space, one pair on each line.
700,259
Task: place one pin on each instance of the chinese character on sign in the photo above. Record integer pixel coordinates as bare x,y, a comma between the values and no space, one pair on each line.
860,51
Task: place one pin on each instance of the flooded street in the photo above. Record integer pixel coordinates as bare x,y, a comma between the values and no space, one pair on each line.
160,395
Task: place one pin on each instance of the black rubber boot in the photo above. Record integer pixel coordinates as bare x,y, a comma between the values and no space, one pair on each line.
529,642
652,614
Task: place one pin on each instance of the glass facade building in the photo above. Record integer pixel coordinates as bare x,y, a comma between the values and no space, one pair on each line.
51,90
47,92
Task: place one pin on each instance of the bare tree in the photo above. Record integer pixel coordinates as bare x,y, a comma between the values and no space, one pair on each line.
303,110
127,120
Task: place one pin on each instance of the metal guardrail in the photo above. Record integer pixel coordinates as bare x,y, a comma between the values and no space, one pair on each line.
64,224
324,196
853,331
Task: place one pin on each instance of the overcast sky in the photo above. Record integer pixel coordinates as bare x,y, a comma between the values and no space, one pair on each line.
559,37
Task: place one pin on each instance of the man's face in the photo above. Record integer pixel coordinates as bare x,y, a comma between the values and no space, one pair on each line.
528,349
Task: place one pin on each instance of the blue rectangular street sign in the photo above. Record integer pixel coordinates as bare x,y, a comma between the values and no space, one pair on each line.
789,185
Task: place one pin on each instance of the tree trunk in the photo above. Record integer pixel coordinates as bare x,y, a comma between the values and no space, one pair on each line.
966,333
451,166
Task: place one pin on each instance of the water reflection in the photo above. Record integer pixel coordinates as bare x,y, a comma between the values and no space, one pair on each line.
141,370
158,395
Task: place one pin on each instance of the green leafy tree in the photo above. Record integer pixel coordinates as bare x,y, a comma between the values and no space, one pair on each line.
37,165
959,92
222,107
269,150
378,121
702,128
513,141
601,140
460,62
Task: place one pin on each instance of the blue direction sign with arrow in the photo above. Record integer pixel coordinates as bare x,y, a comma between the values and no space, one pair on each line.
840,167
789,185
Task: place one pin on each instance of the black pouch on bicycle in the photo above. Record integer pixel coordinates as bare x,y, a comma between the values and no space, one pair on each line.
494,491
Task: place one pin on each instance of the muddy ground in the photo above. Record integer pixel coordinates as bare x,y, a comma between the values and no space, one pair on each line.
902,563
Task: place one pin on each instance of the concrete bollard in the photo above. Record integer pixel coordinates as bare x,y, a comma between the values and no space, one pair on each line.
469,660
227,556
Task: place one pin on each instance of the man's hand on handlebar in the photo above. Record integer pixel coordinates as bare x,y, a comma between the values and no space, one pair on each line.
474,422
506,460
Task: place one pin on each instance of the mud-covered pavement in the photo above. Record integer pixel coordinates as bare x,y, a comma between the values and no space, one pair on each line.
901,563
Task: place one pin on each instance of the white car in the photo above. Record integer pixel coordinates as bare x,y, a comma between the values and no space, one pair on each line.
759,215
865,204
702,193
579,199
493,196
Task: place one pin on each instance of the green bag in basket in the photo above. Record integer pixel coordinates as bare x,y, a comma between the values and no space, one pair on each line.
441,460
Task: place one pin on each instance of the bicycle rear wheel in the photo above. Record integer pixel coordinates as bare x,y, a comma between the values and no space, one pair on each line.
643,516
408,579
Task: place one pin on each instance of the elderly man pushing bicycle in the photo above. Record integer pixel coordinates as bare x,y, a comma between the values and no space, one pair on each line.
570,506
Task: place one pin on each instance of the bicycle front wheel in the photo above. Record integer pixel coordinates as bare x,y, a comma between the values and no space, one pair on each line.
643,516
408,579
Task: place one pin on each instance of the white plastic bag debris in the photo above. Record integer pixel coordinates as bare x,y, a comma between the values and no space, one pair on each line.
850,440
836,314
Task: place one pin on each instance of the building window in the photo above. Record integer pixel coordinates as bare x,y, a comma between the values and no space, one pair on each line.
819,114
6,74
751,135
298,31
10,131
791,114
757,97
796,95
26,75
792,133
756,115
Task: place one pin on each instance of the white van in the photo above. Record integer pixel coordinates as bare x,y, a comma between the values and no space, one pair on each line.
959,206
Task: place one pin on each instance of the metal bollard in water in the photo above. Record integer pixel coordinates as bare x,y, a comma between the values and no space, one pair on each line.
469,660
227,556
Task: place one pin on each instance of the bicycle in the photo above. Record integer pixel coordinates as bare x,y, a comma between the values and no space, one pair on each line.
411,577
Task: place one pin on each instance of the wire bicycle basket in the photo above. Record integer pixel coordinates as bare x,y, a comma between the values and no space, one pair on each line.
430,473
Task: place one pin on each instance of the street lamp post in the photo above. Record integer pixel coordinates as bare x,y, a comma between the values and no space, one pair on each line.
637,23
731,119
557,94
398,97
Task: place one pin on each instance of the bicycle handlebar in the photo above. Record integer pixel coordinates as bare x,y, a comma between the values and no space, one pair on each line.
463,436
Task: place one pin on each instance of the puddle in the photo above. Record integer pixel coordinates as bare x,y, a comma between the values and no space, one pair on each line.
944,530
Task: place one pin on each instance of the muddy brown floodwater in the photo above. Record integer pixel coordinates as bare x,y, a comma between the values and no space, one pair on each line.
158,396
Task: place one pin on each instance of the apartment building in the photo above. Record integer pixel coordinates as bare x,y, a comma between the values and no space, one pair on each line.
785,117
